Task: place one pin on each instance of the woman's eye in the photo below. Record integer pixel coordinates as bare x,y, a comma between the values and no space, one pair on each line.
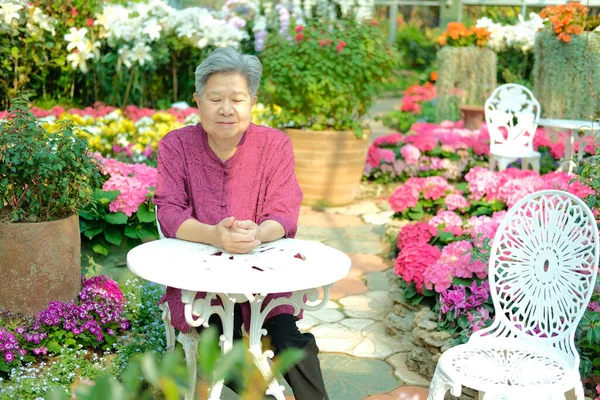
214,100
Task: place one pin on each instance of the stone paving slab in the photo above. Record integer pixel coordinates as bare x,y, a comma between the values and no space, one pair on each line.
368,262
372,305
377,281
348,378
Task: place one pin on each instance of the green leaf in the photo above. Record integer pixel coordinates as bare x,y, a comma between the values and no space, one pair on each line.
144,214
149,368
463,321
118,218
113,235
131,231
53,346
90,233
100,249
445,236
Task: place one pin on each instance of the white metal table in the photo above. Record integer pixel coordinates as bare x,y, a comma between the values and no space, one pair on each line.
286,265
570,126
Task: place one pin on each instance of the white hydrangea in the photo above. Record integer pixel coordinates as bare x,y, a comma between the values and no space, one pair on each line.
520,36
202,27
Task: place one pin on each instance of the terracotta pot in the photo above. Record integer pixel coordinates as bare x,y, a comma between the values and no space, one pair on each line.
472,116
39,263
329,164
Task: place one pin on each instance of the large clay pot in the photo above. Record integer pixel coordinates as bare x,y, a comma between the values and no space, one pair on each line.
39,263
472,116
329,164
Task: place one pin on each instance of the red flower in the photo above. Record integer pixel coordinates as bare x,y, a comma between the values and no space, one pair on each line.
74,12
341,46
75,51
299,37
90,22
374,22
321,43
413,260
299,28
419,233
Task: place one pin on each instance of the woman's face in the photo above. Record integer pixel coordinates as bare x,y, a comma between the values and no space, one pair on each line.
225,106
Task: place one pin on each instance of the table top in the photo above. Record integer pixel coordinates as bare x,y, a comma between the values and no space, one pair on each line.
570,124
285,265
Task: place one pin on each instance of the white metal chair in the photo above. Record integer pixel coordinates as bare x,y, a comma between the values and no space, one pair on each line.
542,271
511,115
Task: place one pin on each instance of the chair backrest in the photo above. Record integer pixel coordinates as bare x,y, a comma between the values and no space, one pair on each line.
160,234
542,270
511,115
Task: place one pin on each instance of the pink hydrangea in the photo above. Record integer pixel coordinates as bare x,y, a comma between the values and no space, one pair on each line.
483,182
393,139
133,193
423,143
451,221
456,201
415,233
438,277
435,187
413,260
404,198
376,155
457,257
411,154
514,190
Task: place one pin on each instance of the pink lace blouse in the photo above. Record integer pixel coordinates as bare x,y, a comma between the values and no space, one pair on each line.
257,183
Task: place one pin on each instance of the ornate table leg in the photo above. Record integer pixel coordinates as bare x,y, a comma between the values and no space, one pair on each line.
202,309
257,318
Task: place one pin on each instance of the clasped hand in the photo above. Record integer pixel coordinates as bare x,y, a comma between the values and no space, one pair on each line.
238,237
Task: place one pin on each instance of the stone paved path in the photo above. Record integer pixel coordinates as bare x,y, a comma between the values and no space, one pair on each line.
359,360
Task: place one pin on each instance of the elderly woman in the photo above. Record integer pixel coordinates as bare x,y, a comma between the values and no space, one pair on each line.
229,183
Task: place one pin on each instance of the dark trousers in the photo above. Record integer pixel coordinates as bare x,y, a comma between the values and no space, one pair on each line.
305,377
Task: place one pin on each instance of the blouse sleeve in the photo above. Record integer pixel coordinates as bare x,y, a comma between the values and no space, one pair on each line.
170,195
283,195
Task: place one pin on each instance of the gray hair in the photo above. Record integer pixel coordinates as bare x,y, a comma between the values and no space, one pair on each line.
228,60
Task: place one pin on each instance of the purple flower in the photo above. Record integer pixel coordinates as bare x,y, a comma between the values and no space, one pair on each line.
9,357
453,300
20,330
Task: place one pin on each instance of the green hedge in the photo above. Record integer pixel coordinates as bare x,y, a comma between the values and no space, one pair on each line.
567,75
467,70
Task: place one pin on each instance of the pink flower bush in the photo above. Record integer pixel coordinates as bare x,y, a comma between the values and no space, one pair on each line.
448,221
407,195
419,233
456,201
413,260
132,180
411,154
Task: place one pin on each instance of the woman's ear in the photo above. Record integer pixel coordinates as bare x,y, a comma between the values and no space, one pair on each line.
197,99
254,100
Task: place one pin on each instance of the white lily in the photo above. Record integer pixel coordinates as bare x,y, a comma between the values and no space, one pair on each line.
9,12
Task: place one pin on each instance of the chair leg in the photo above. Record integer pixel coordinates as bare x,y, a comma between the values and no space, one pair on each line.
440,385
535,164
579,393
169,330
492,162
189,341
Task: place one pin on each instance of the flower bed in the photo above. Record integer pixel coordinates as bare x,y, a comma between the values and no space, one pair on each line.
449,151
78,340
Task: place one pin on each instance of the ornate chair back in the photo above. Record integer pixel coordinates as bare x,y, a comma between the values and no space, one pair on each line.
511,114
542,271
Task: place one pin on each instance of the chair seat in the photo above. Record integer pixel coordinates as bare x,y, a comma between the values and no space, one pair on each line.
514,152
506,370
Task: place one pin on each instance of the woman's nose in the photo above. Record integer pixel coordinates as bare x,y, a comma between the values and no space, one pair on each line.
226,108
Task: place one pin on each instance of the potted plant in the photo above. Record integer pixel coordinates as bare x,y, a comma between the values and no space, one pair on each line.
45,177
320,80
467,74
567,55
